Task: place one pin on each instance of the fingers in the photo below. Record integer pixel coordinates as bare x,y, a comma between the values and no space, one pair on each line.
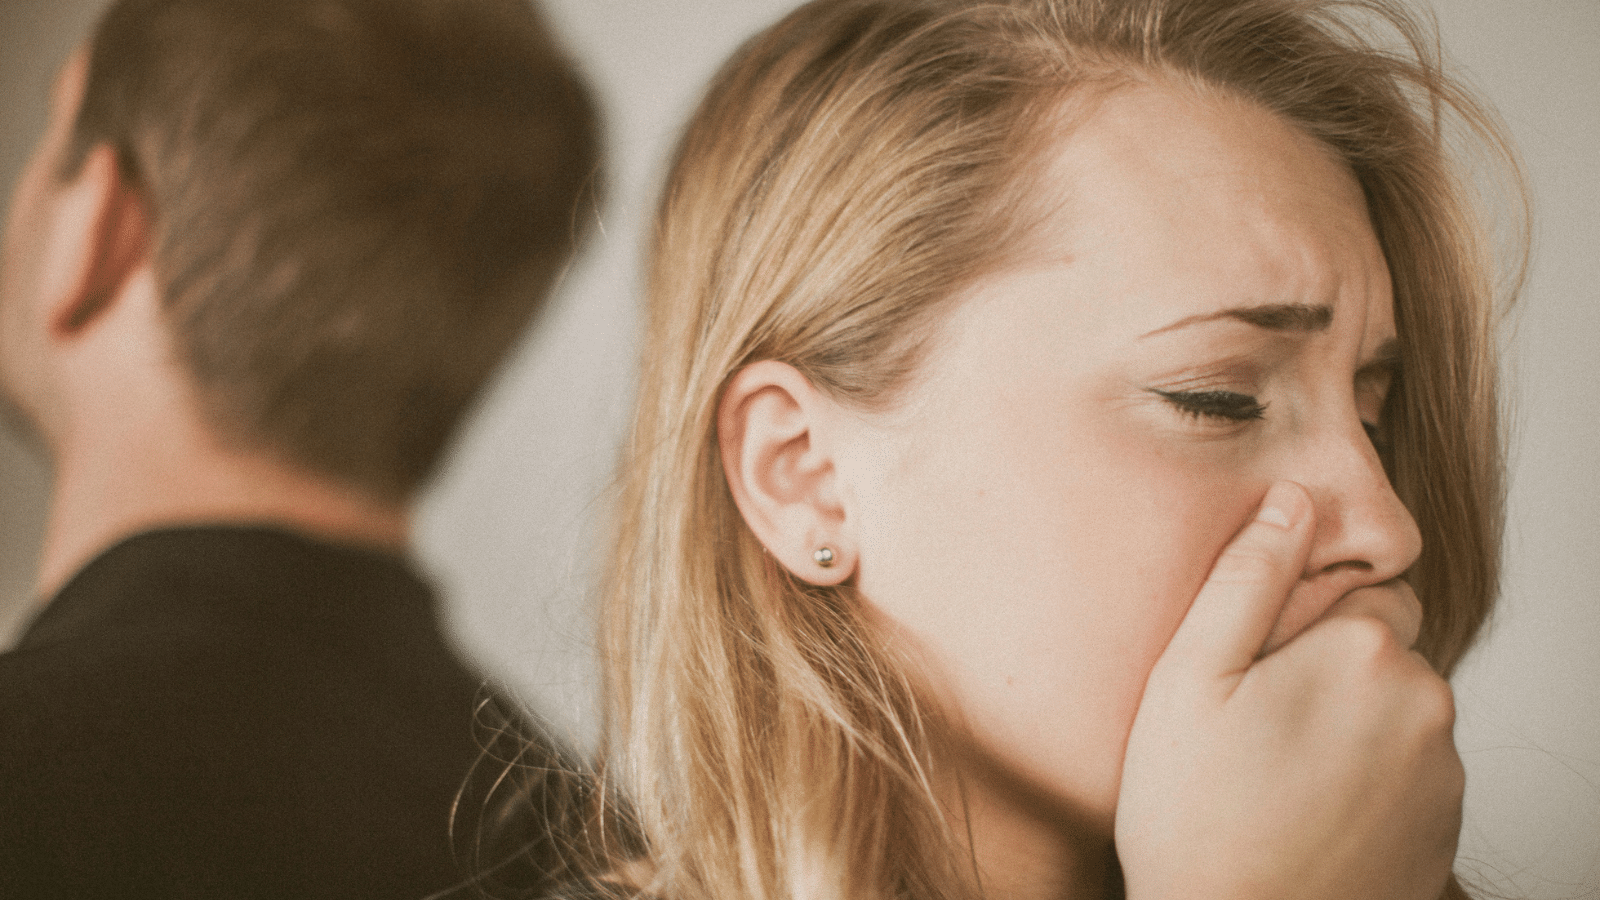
1324,768
1393,603
1236,608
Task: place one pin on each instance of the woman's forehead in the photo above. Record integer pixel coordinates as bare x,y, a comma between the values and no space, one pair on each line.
1165,149
1217,199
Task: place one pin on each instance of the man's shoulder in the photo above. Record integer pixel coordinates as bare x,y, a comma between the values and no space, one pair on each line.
68,683
201,630
182,713
102,697
248,639
141,635
72,743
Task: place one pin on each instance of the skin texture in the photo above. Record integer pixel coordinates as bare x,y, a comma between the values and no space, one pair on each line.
1035,517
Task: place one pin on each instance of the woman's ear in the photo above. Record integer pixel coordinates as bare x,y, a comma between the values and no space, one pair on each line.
100,235
771,428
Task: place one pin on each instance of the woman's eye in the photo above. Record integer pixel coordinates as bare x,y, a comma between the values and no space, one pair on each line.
1224,406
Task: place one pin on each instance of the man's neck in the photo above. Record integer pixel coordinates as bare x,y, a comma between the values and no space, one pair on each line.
106,491
133,449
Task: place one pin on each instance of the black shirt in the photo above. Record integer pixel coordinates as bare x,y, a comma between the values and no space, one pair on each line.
234,713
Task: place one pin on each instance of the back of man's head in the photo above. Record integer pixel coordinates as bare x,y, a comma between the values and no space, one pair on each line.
358,205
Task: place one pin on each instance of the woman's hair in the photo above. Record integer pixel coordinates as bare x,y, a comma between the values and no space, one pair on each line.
851,169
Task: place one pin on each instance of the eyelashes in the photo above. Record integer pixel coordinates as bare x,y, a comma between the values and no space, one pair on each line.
1232,407
1218,406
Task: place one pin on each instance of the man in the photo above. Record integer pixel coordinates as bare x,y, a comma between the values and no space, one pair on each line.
265,256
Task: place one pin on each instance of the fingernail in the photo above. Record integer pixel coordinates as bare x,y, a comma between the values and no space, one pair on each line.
1281,506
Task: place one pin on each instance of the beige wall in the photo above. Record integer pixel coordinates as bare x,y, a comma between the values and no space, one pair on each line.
510,528
34,37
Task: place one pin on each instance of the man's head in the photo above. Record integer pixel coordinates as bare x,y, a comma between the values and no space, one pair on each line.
353,208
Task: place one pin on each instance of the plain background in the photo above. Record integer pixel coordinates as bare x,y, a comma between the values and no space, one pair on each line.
511,527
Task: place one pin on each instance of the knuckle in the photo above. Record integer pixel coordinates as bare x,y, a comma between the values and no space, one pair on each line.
1365,639
1410,600
1393,595
1392,601
1409,610
1435,703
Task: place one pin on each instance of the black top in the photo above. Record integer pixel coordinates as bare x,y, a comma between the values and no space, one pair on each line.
234,713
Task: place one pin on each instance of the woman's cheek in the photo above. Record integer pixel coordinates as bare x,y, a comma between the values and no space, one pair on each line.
1204,507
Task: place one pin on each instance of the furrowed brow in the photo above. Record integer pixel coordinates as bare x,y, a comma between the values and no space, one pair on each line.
1294,317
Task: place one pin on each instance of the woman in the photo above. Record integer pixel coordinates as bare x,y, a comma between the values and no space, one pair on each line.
1066,461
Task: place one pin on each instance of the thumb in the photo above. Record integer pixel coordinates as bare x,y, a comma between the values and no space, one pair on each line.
1230,619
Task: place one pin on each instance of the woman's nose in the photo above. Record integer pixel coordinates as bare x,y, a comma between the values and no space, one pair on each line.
1364,534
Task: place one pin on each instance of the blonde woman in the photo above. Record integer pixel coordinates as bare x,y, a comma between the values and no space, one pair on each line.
1066,463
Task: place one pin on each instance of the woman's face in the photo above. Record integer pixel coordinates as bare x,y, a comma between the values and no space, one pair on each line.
1204,311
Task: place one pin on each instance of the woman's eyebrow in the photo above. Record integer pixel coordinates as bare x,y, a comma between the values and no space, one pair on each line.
1271,316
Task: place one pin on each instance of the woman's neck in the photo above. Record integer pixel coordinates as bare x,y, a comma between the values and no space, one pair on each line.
1027,847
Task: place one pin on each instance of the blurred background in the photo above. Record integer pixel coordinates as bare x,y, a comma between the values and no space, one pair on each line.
510,531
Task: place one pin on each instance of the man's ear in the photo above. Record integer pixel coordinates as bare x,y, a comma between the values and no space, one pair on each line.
100,235
770,428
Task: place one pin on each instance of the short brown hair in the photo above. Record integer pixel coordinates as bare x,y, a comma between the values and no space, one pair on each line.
359,204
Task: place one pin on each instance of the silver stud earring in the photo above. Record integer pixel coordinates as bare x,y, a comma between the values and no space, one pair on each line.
824,557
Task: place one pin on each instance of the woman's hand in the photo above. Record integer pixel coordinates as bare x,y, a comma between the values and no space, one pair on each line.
1322,768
